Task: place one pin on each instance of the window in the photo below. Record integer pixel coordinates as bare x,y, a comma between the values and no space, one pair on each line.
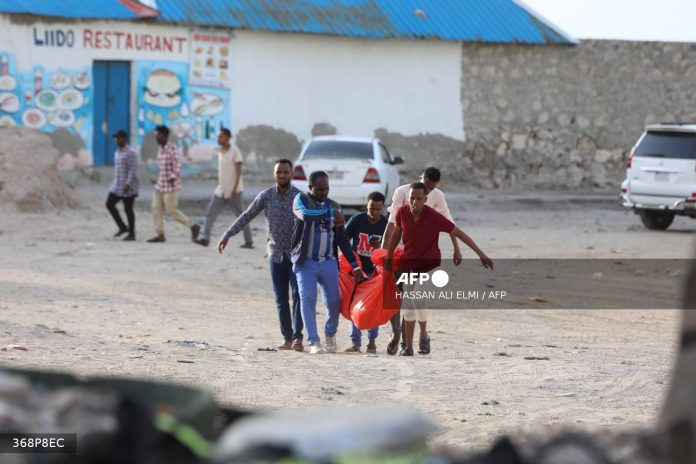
666,144
385,154
339,149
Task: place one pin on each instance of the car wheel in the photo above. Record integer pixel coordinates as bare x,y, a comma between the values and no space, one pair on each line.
656,220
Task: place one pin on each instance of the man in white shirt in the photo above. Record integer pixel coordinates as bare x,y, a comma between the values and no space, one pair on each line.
436,200
229,189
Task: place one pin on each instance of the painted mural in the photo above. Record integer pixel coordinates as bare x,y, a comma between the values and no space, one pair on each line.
194,115
53,101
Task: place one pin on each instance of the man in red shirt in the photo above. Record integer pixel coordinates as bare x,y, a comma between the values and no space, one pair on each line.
420,226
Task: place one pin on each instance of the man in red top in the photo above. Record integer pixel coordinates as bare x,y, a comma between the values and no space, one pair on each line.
420,226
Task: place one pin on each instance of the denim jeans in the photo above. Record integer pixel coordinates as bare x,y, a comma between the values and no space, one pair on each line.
282,277
325,273
356,334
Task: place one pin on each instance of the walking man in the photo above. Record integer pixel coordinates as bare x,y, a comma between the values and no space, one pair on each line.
318,232
436,200
276,203
365,232
165,197
125,186
229,189
420,225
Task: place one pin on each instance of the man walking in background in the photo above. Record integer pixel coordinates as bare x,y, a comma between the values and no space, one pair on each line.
166,194
365,232
276,203
229,189
125,186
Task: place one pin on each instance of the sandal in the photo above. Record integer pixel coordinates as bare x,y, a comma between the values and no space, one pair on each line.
424,345
393,344
406,352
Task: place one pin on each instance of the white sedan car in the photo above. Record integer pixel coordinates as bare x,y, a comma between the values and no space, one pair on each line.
356,167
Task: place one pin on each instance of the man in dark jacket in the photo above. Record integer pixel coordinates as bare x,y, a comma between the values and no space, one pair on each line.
317,235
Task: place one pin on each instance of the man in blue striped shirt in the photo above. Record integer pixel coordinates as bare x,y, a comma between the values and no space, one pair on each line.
317,235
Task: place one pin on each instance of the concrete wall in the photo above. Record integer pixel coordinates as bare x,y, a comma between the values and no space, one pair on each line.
288,87
566,117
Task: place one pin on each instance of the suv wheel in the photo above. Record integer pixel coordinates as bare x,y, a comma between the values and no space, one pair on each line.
656,220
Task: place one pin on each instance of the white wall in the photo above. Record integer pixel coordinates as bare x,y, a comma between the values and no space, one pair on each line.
287,81
292,81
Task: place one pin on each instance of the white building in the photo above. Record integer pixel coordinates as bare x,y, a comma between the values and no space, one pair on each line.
273,70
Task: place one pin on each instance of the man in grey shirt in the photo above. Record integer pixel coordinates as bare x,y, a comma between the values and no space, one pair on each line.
229,190
277,202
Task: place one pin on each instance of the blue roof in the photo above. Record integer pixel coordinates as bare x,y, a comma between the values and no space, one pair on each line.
87,9
492,21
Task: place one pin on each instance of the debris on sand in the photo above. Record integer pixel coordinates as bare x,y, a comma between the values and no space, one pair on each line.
200,344
14,348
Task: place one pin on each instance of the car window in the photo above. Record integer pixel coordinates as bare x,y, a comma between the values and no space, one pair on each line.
665,144
336,149
384,153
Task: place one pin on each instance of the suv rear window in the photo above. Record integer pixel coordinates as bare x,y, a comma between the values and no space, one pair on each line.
334,149
681,145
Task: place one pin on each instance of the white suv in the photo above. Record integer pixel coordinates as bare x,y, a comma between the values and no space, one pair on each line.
356,167
661,174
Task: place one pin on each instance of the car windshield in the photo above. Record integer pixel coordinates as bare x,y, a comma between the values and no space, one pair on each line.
665,144
339,149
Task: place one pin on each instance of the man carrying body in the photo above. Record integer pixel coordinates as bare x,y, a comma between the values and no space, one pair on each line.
365,232
229,189
276,202
436,200
166,194
316,236
420,227
125,186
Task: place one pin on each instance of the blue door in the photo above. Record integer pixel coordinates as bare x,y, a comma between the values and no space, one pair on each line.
111,107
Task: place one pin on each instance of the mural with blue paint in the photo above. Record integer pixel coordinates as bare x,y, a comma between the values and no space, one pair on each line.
194,115
48,100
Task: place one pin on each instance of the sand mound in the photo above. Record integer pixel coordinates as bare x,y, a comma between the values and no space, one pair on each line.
29,178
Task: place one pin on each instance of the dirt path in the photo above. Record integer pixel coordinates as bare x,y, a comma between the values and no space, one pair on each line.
119,303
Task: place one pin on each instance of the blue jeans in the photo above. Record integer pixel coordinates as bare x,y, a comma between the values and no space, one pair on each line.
282,275
356,334
308,274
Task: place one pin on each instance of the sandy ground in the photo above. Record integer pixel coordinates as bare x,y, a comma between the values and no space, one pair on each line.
83,302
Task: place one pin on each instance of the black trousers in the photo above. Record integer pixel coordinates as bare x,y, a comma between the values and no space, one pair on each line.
395,321
128,206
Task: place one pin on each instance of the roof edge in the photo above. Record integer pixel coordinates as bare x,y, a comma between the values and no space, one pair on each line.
572,40
138,8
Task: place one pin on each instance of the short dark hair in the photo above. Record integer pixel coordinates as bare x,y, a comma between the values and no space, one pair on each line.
376,196
432,173
226,131
317,175
419,185
162,130
283,161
